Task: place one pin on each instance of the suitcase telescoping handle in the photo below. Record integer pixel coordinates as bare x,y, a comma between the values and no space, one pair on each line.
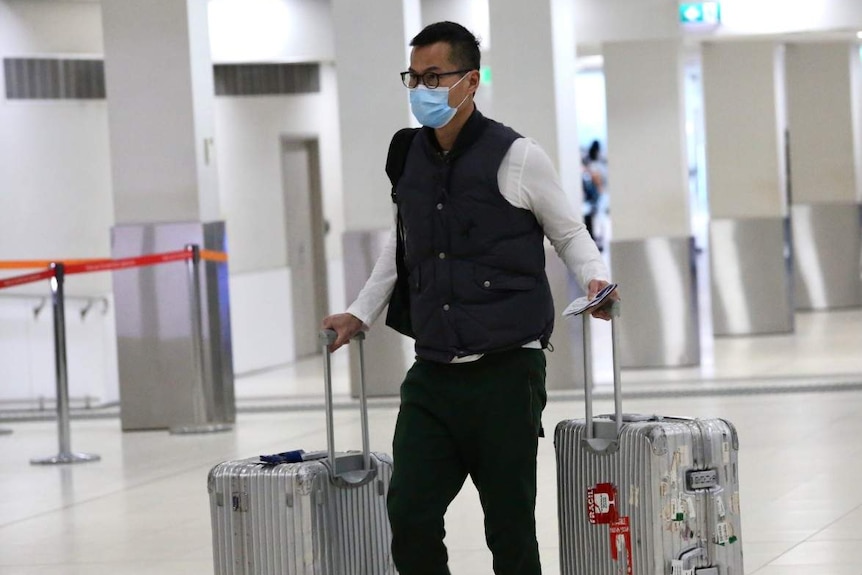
602,436
351,469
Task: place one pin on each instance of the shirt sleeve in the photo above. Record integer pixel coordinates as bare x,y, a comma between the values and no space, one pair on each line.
528,180
375,295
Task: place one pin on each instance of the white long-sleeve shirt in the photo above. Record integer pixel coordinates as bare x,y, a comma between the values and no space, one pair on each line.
527,179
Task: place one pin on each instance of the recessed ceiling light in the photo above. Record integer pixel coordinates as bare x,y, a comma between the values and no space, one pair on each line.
859,35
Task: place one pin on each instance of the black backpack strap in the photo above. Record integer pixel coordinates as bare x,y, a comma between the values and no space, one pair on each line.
398,314
397,156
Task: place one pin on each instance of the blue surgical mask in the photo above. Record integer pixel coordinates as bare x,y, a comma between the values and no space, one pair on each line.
431,107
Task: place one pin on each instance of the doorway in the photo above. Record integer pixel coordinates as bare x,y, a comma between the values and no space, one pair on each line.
306,228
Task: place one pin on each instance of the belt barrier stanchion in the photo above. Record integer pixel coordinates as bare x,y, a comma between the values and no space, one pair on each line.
199,398
60,369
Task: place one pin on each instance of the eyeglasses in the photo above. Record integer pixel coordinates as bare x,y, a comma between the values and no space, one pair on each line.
430,79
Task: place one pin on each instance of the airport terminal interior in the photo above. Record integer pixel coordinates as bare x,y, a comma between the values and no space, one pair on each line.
215,170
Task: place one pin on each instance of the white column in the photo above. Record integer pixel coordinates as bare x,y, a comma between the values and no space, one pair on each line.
745,118
648,179
652,249
823,107
173,371
534,79
371,48
534,85
159,82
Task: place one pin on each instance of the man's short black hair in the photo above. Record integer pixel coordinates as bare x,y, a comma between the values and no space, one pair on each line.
464,47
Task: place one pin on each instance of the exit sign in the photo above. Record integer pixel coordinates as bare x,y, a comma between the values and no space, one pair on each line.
700,13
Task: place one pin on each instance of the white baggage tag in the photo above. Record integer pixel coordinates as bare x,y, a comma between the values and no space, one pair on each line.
692,508
719,506
679,512
734,502
722,533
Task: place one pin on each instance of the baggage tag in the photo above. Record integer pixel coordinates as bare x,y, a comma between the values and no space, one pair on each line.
719,507
602,504
722,533
734,502
621,540
681,508
634,496
692,507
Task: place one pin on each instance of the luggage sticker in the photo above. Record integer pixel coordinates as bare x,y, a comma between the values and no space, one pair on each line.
734,502
602,503
621,540
634,496
719,507
692,508
724,534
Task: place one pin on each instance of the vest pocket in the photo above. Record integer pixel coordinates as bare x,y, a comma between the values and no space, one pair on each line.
493,279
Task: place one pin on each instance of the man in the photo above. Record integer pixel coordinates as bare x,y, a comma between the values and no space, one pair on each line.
475,201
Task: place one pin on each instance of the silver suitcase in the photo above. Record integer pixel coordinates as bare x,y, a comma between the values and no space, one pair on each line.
321,517
646,495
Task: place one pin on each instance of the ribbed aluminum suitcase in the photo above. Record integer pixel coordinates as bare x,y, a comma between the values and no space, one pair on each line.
646,495
307,518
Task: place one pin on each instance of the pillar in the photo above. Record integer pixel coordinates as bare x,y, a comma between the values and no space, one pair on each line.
652,251
823,107
159,82
745,119
534,83
371,48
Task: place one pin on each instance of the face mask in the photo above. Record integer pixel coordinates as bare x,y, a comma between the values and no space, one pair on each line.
431,107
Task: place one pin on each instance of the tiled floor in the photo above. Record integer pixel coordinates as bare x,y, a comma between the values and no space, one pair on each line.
143,509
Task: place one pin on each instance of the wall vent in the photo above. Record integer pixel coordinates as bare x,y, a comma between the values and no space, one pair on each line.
54,79
266,79
75,79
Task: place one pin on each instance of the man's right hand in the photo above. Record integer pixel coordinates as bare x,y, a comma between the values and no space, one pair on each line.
346,325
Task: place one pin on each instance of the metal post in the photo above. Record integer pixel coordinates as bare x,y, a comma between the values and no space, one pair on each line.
588,375
61,371
363,405
330,418
618,391
199,399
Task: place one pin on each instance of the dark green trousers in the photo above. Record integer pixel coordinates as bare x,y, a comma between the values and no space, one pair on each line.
480,419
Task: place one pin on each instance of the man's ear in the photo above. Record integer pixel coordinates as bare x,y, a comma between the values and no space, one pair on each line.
475,79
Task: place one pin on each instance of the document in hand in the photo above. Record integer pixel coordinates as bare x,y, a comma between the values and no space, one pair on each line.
583,304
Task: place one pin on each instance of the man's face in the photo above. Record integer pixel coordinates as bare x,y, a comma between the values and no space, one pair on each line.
435,58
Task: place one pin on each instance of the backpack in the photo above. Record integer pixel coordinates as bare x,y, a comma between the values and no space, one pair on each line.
398,313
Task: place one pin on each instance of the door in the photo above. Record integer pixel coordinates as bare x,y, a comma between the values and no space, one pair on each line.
306,257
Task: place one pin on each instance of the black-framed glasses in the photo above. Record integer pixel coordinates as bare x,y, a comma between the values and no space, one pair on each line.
430,79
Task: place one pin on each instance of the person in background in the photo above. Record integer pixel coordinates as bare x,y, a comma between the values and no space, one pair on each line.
475,201
596,169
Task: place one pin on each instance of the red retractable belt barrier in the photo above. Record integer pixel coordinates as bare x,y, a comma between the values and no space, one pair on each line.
125,263
26,279
99,265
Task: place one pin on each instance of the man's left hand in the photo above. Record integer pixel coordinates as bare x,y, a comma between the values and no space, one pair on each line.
595,287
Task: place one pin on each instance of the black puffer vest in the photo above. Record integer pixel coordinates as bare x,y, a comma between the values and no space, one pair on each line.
476,263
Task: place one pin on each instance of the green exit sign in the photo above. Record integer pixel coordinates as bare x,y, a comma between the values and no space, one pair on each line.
700,13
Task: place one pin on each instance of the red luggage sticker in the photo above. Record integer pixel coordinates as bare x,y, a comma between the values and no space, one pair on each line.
621,535
602,504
